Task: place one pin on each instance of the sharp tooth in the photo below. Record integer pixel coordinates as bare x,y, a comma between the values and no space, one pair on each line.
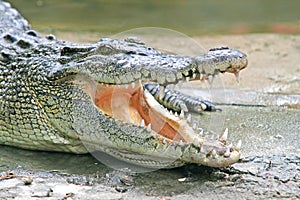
210,79
161,92
239,145
183,107
126,86
180,143
213,153
154,136
133,84
202,149
179,84
149,128
194,126
187,79
135,123
181,114
164,141
171,87
201,132
201,77
171,112
142,123
196,142
225,135
237,76
119,85
189,118
176,114
227,153
194,75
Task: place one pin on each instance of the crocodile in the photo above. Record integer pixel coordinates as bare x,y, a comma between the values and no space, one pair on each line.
114,96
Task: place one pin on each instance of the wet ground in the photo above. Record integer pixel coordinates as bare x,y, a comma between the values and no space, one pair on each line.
263,110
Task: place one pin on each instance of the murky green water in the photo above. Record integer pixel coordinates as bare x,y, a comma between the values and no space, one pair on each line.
189,17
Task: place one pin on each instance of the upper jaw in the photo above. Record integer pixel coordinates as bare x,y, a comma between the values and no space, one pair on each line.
163,69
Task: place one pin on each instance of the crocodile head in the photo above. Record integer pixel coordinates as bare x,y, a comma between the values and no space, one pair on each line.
114,113
59,96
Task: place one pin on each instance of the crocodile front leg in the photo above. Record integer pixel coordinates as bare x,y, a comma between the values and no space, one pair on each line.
177,101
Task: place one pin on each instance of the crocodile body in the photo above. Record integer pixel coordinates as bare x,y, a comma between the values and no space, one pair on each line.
60,96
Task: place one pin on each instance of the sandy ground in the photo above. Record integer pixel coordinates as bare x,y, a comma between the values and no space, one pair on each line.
262,110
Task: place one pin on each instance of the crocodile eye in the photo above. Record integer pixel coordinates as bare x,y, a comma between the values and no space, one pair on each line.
219,48
105,50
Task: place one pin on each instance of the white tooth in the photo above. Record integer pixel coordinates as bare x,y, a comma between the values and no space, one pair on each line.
201,77
142,123
239,145
194,126
133,84
171,112
140,81
154,136
164,141
227,152
161,92
181,114
135,123
237,76
180,143
183,107
187,79
196,142
119,85
213,153
149,128
194,75
171,87
202,150
201,132
179,84
225,135
210,79
126,86
176,114
189,118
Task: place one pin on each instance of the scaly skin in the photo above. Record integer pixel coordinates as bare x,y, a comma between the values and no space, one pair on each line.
60,96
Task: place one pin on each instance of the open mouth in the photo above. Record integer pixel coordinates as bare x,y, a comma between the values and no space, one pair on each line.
124,97
136,106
